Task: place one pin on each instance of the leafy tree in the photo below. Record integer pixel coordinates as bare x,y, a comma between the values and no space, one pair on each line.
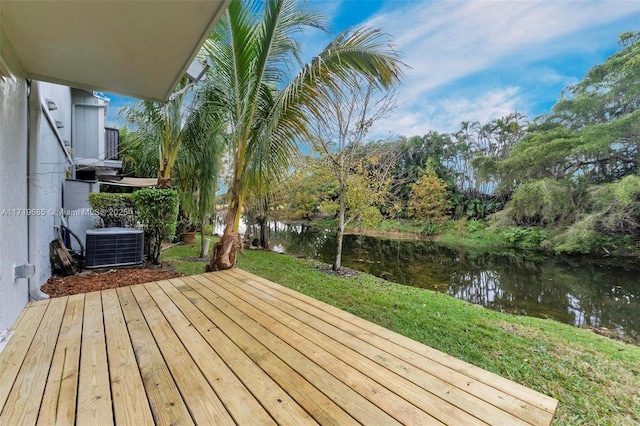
428,200
199,162
416,154
593,131
305,189
541,202
268,110
181,142
346,118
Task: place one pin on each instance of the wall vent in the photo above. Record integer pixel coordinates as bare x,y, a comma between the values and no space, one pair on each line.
114,247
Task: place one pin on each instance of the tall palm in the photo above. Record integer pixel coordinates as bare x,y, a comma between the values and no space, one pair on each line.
199,160
160,125
181,142
253,51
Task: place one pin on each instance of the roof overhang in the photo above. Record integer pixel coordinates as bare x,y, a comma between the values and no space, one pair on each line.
134,48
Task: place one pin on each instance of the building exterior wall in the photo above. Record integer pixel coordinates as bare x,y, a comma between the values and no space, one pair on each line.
49,164
61,95
33,166
14,294
89,114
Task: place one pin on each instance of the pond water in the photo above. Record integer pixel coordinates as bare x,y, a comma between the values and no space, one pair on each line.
581,292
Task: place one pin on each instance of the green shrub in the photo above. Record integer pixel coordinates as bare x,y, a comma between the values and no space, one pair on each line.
617,206
475,225
527,238
113,209
429,198
541,202
158,211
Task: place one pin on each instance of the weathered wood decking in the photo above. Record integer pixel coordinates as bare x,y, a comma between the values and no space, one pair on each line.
230,347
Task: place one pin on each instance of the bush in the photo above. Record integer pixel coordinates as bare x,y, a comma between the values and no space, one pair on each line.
617,206
541,202
475,226
579,238
527,238
113,210
158,210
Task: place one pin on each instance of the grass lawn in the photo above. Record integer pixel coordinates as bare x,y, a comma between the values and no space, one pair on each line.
596,380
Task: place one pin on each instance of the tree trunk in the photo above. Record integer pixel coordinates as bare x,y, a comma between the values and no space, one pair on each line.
223,254
202,225
163,183
264,239
337,263
164,177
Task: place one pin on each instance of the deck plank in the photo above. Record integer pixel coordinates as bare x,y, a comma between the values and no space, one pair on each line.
61,391
242,406
130,403
282,407
469,395
523,402
359,407
442,401
14,353
232,348
24,400
317,404
346,365
94,390
204,405
165,400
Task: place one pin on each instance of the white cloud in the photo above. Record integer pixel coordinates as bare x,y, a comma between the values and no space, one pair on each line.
446,41
446,114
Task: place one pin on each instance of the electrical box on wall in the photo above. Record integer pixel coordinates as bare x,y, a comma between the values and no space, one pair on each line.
23,271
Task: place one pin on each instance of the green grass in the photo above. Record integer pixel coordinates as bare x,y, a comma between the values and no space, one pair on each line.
595,379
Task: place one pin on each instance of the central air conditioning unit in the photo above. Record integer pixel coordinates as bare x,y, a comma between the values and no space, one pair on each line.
114,247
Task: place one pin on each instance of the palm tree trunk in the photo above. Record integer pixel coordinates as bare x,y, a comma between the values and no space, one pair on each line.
223,254
164,178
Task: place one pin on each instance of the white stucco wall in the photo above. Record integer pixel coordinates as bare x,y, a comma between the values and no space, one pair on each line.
33,166
48,166
14,294
61,95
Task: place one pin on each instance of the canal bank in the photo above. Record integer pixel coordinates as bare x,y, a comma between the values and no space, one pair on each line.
601,294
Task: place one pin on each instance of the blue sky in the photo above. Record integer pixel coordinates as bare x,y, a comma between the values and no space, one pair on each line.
480,59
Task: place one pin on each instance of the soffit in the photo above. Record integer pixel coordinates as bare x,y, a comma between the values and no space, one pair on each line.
135,48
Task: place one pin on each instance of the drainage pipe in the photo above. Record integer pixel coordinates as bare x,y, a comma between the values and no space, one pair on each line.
33,134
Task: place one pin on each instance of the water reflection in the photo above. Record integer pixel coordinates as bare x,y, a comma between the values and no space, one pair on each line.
572,291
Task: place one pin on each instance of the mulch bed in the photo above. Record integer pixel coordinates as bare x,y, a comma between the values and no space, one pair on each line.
86,282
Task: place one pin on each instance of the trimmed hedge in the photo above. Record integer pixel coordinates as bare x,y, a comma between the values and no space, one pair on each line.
113,210
157,211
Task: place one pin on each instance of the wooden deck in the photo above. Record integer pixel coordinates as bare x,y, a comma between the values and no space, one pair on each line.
230,347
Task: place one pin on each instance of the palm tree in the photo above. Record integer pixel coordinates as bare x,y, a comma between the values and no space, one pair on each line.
181,142
253,52
198,163
160,125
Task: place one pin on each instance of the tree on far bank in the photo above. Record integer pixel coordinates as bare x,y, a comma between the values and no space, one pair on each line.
428,200
592,132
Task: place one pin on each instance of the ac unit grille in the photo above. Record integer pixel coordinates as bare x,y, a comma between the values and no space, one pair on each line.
114,247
